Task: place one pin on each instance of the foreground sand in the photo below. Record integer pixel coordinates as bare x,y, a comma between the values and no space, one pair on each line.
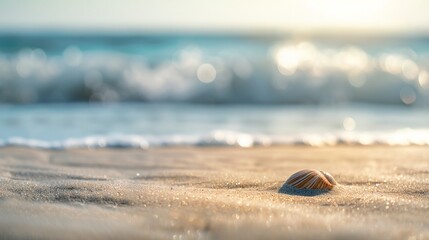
212,193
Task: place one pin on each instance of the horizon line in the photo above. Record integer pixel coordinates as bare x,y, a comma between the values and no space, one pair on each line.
213,32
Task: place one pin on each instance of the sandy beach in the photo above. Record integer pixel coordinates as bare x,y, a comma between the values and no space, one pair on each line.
212,193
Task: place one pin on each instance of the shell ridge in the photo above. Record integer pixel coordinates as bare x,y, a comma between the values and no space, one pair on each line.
305,179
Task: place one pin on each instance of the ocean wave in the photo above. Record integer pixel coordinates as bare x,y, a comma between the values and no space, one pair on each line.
402,137
208,71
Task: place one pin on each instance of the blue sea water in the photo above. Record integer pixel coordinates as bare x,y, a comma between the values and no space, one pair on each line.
59,91
153,125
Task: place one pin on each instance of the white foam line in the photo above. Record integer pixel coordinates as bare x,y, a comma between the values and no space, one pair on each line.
401,137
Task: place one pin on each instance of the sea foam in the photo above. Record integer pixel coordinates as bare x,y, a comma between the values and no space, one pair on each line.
403,137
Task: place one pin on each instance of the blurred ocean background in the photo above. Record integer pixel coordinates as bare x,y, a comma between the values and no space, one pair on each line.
68,90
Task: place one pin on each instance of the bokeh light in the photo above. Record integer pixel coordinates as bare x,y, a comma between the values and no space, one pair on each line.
206,73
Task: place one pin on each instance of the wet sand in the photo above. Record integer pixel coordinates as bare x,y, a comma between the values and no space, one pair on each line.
212,193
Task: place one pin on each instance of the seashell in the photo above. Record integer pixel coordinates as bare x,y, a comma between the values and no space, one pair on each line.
311,179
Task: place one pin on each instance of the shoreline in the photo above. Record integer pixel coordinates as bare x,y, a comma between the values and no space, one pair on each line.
212,192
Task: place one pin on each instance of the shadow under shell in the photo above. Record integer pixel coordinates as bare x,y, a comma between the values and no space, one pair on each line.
291,190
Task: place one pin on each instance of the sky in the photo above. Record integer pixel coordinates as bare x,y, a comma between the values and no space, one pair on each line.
303,16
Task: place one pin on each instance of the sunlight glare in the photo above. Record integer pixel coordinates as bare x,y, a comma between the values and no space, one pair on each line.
346,12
